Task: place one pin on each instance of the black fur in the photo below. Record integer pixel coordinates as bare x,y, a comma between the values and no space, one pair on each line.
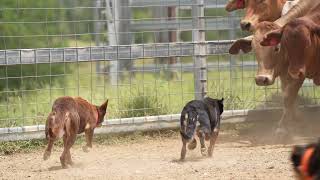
207,112
314,162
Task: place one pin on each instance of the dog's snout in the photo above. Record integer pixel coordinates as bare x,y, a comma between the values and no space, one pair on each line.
262,80
245,25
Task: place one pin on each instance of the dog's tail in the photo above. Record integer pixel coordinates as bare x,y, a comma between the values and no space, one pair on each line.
187,114
55,124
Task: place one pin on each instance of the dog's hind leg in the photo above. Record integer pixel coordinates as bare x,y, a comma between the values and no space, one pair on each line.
201,136
71,142
64,154
193,144
183,150
89,135
65,157
69,138
213,139
48,150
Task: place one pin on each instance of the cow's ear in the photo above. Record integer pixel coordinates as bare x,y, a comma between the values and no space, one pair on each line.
233,5
316,29
241,44
273,38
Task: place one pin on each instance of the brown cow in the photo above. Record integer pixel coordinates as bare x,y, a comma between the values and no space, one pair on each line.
259,10
271,62
299,42
69,117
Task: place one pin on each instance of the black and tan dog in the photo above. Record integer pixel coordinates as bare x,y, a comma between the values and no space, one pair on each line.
202,117
306,161
69,117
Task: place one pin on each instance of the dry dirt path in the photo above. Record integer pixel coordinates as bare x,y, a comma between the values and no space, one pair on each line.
156,159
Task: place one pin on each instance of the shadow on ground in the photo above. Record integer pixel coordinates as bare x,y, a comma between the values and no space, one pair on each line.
259,128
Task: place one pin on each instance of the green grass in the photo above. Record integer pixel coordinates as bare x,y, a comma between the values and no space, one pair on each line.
144,94
11,147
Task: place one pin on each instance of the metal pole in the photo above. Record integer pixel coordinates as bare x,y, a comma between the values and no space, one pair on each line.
118,15
97,29
172,38
161,37
199,57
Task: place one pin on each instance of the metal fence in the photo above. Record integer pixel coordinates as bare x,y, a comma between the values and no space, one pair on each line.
148,57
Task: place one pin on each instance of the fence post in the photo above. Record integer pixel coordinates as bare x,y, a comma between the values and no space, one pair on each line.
97,29
118,15
199,57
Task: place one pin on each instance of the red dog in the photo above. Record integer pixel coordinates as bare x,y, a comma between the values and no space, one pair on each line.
69,117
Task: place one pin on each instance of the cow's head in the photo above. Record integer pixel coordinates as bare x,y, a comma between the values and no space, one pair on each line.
296,39
268,57
261,10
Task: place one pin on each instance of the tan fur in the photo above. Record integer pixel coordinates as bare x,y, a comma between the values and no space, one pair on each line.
69,117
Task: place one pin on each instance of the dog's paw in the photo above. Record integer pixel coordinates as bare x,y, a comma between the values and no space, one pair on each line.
46,155
204,151
85,149
192,145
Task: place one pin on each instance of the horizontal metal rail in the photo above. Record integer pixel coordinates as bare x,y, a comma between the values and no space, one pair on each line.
179,3
111,126
217,23
135,124
99,53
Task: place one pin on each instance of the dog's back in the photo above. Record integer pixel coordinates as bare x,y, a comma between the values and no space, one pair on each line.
87,113
203,117
207,112
62,118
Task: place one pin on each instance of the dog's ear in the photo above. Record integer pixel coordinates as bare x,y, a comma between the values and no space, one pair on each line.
220,103
104,105
221,100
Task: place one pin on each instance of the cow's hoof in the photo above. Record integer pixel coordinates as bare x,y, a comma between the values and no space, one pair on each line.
204,151
210,152
71,163
85,149
46,155
66,166
282,136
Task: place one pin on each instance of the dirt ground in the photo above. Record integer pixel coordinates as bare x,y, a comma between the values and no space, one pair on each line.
242,152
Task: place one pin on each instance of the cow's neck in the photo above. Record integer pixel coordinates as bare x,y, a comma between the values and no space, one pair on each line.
282,67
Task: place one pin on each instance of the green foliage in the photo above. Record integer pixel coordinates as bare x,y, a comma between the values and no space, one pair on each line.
140,104
12,147
17,29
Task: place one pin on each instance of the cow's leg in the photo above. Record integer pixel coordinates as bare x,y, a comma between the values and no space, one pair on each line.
89,136
290,91
213,139
201,136
285,82
183,150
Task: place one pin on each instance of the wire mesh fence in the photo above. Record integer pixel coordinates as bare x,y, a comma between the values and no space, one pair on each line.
142,55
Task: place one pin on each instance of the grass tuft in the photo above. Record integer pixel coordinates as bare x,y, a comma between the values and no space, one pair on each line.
26,146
